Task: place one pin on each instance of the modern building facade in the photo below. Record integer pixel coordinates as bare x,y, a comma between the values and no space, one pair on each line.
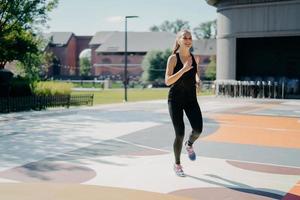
258,39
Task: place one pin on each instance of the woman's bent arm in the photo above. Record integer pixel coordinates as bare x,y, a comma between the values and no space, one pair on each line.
171,78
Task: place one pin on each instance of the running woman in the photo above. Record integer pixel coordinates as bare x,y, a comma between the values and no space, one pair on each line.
182,75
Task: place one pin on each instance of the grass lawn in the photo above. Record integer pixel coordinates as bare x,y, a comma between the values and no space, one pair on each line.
117,95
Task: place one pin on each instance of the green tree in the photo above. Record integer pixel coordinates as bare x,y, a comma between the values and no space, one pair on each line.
16,45
154,28
210,72
154,65
48,62
172,27
19,20
180,25
30,66
167,26
35,64
206,30
85,66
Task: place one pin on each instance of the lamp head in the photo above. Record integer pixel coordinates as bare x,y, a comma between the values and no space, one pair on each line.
132,16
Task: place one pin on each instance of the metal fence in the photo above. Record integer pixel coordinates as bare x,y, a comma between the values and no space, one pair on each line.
16,104
255,89
208,86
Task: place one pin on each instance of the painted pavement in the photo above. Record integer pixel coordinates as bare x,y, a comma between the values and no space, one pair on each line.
249,149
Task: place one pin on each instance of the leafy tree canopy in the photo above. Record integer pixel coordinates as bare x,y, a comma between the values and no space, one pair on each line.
19,21
206,30
173,27
210,72
154,65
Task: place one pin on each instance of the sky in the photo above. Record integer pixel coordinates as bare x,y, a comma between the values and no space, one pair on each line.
86,17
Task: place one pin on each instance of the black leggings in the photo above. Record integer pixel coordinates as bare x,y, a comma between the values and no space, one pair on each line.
193,113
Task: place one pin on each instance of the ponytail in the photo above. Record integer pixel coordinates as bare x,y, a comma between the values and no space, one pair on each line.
176,47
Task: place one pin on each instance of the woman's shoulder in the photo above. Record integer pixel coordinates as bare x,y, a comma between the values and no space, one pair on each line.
173,58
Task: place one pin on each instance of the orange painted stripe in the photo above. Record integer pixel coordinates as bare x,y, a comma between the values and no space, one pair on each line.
257,130
261,121
253,108
294,193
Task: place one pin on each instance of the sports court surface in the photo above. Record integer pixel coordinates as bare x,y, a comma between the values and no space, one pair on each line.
249,149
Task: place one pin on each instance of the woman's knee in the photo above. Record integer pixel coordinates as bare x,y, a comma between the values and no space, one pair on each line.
197,131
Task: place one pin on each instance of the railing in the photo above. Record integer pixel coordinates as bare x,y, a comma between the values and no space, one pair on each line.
77,100
256,89
207,86
16,104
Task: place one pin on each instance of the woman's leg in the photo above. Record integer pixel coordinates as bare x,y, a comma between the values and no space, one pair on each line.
193,113
176,113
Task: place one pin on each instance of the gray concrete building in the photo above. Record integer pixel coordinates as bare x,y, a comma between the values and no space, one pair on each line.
258,39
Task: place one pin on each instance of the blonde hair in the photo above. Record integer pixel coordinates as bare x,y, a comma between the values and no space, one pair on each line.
178,36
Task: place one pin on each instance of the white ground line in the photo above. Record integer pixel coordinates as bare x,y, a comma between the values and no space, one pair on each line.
143,146
147,147
273,115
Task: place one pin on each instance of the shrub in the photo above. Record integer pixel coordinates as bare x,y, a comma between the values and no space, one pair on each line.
5,79
20,87
51,88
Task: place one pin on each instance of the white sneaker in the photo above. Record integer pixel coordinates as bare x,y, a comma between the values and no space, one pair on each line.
178,170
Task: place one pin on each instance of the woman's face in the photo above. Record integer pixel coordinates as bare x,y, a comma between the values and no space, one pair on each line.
185,40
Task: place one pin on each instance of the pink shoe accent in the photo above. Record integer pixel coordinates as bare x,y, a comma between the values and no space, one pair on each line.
190,151
178,170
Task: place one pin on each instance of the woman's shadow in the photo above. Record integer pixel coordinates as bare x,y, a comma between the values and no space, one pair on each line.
241,187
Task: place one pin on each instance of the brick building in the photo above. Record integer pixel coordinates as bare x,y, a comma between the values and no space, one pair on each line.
107,52
204,48
66,47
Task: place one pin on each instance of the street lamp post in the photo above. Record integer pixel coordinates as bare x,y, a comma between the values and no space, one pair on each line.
125,60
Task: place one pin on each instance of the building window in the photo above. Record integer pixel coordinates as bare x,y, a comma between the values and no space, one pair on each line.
106,61
206,60
128,60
